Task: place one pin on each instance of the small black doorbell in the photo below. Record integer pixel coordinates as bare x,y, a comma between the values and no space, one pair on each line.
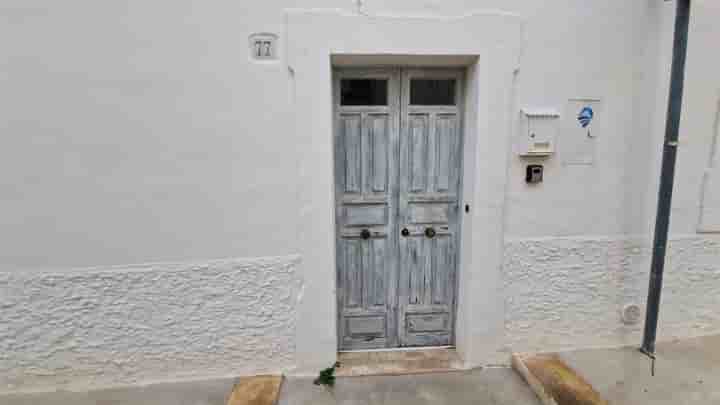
534,174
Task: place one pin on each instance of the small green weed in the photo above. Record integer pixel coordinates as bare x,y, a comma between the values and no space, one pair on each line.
327,376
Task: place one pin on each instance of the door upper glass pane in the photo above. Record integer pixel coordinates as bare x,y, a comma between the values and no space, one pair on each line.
432,91
363,92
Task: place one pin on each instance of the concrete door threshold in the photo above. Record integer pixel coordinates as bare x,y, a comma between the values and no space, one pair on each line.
398,362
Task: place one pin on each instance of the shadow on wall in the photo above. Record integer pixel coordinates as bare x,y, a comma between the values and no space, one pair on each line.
710,201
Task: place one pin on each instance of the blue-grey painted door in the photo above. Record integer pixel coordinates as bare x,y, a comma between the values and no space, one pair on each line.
366,175
397,174
430,145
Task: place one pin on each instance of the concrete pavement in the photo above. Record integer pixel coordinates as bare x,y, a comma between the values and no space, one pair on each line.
686,372
494,386
212,392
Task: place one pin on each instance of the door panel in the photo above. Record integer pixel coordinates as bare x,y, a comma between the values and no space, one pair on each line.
366,140
397,167
428,207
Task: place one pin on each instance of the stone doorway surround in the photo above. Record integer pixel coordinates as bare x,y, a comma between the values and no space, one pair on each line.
489,44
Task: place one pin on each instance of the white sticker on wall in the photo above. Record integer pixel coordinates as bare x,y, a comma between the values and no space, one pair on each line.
581,130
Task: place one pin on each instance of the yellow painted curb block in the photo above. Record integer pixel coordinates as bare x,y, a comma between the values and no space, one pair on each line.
554,382
256,390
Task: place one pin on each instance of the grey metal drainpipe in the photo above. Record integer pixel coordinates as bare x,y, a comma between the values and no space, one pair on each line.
667,175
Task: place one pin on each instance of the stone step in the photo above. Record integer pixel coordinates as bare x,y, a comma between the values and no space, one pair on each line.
256,390
400,362
554,382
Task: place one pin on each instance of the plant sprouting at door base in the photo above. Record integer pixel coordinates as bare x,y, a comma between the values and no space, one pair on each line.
327,376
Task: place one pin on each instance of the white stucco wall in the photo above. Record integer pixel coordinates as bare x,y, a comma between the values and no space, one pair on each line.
141,132
147,323
564,293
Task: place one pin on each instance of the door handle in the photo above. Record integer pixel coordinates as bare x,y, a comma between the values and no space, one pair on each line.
430,232
365,234
405,232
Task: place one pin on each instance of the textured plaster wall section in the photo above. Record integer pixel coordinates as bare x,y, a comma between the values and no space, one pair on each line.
563,294
147,323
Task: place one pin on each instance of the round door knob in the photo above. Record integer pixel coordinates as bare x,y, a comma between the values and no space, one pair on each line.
405,232
430,232
365,234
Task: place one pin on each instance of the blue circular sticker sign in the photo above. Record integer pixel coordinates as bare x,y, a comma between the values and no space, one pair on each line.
585,116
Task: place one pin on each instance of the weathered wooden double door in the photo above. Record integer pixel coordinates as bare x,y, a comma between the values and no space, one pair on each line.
398,140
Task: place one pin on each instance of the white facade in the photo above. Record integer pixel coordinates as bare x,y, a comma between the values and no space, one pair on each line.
143,132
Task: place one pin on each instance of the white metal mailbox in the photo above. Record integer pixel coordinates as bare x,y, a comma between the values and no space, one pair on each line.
538,130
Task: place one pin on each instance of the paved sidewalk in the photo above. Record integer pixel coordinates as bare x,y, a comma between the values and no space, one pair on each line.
497,386
212,392
687,372
494,386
